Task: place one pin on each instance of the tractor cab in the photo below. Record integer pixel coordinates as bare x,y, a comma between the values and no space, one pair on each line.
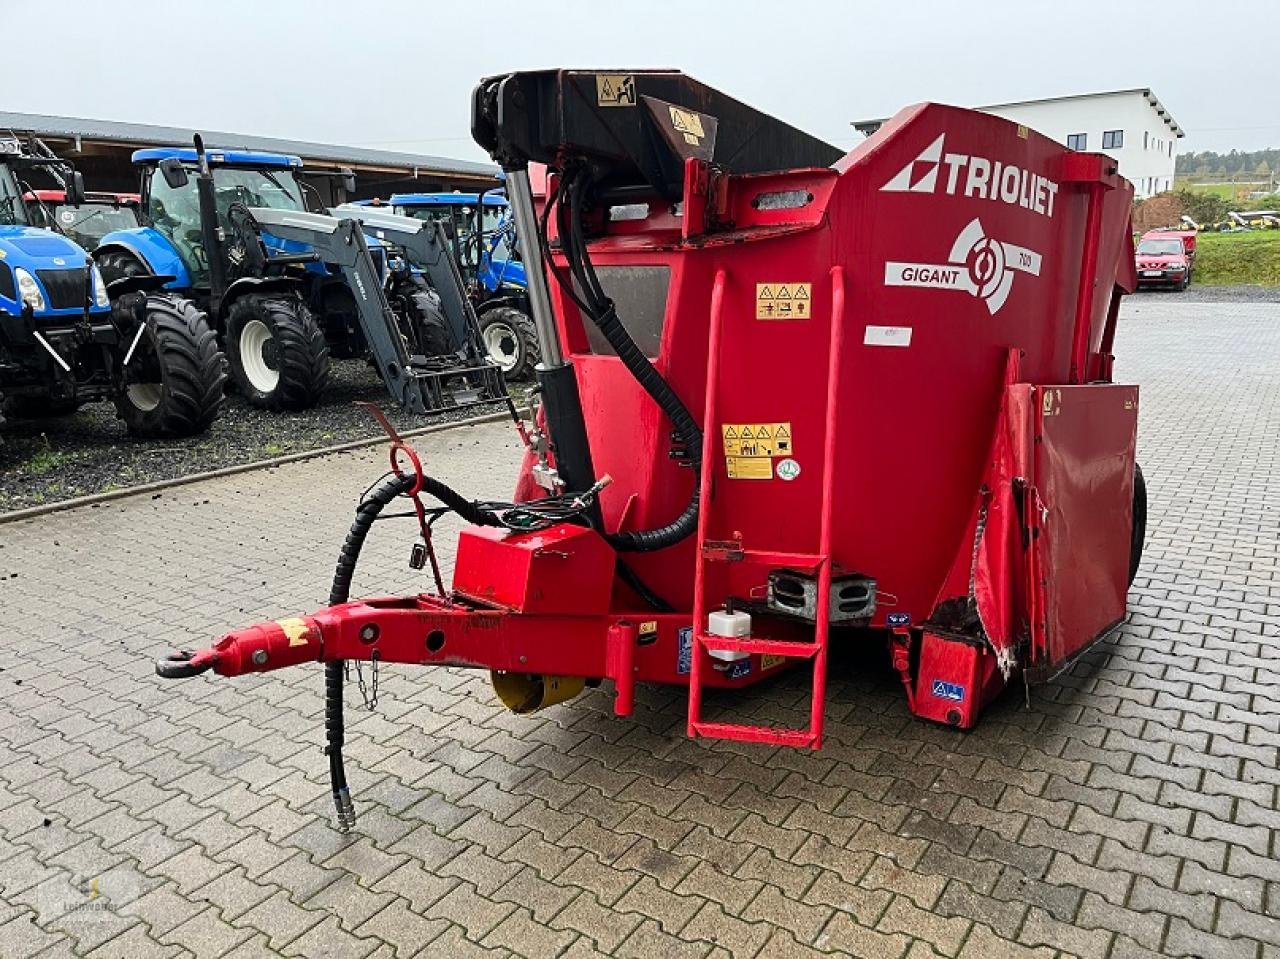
100,213
487,254
242,179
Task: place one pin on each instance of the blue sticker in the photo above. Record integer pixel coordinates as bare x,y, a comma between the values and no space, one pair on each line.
898,619
945,690
739,668
684,650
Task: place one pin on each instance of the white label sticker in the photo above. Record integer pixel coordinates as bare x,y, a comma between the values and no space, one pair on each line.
787,469
887,336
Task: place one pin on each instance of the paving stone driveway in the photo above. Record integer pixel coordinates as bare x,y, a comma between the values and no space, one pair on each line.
1131,811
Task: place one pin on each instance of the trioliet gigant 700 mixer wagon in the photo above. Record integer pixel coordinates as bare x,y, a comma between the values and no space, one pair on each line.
788,398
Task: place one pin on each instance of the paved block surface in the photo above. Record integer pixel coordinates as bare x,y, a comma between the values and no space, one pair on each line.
1130,811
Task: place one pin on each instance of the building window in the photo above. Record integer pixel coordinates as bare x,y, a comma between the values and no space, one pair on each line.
1112,139
1145,137
1077,141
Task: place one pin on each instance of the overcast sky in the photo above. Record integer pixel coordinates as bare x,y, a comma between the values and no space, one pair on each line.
398,74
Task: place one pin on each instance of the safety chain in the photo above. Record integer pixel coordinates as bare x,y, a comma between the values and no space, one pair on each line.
369,694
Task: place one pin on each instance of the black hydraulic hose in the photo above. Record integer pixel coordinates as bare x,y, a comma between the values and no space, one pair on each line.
600,309
334,671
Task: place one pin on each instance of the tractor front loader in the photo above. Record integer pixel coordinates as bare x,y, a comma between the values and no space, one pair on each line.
792,399
425,378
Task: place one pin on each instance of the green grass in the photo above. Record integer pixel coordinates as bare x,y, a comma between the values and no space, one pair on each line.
1225,259
46,460
1231,192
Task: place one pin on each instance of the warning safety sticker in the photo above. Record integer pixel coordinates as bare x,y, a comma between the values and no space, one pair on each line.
757,439
749,467
783,301
616,89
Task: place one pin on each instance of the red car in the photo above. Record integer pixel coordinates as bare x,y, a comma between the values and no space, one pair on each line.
1166,258
91,221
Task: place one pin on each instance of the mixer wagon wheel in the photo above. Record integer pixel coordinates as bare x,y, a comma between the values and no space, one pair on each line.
1139,535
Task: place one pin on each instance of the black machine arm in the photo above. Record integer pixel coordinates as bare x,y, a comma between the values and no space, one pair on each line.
634,126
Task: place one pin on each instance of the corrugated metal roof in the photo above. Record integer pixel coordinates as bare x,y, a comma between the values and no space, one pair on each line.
147,134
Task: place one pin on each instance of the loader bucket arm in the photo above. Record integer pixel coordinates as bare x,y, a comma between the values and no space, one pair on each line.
635,125
426,246
338,241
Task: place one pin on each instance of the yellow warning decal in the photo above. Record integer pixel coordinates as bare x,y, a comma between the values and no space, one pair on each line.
784,301
749,467
296,629
615,89
688,124
769,662
757,439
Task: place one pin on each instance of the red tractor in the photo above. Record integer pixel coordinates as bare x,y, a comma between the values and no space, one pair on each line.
88,223
791,398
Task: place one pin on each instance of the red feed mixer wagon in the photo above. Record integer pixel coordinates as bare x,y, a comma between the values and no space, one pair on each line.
790,398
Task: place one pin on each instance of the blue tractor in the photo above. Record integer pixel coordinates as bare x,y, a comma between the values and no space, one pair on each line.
68,337
481,231
280,309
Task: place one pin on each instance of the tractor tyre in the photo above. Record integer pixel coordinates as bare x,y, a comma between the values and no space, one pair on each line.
1138,537
424,323
118,265
279,357
173,382
511,341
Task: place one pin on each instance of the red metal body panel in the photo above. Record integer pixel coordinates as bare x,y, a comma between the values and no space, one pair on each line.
917,418
564,570
1085,442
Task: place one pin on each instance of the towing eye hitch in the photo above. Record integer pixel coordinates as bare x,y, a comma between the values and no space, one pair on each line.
184,664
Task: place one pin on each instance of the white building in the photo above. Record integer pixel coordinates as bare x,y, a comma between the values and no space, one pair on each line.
1132,126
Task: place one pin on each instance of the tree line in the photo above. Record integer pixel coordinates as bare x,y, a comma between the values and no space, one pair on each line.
1207,163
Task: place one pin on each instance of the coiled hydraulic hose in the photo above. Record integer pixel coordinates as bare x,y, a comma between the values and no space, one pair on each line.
599,308
334,671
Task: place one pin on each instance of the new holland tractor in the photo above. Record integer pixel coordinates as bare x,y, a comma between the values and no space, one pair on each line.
281,309
68,337
483,239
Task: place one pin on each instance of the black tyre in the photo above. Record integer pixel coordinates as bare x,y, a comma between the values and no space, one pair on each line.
173,380
278,355
1138,537
422,320
118,265
511,341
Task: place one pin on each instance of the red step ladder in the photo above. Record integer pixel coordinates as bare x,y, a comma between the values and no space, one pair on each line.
712,551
